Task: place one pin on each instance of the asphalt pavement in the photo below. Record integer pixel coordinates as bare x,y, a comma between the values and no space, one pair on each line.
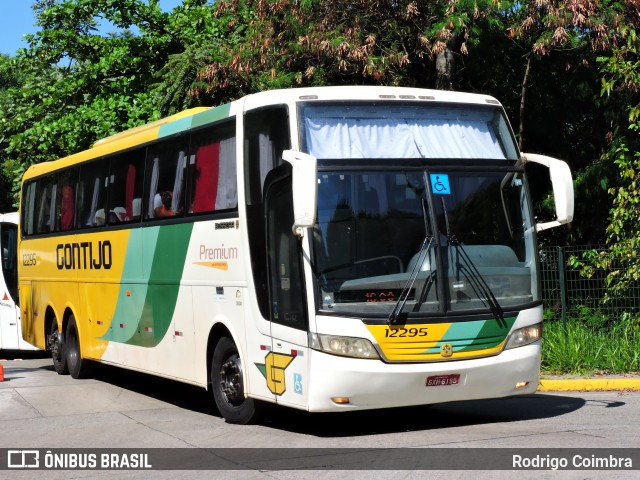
40,410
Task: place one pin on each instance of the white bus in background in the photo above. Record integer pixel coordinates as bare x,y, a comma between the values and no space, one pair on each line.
10,325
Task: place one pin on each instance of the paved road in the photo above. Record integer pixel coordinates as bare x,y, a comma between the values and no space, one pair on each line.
119,409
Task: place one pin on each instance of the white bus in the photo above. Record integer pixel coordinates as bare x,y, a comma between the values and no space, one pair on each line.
10,325
327,249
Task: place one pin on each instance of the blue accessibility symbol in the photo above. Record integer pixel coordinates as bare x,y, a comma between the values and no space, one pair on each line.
440,183
297,383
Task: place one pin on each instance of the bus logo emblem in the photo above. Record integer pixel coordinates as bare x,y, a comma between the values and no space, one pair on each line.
273,370
446,350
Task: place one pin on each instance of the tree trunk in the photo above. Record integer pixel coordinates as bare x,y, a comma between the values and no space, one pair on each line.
446,63
522,102
445,69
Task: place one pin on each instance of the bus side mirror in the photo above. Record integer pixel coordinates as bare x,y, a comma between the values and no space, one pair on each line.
562,183
305,189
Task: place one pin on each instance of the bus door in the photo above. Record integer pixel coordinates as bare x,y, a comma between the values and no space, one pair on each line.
287,364
10,338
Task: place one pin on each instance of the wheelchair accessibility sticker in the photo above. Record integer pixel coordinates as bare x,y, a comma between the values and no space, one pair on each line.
440,183
297,383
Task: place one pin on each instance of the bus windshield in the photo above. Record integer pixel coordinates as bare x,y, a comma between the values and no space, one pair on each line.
371,229
456,239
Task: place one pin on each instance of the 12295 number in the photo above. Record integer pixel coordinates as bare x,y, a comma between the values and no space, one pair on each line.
405,332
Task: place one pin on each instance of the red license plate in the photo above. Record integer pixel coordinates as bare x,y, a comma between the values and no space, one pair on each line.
442,380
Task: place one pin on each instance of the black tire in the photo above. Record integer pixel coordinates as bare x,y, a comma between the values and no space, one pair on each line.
56,345
227,384
78,367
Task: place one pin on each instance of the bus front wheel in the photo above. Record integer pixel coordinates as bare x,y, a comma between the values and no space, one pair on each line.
56,346
227,383
78,367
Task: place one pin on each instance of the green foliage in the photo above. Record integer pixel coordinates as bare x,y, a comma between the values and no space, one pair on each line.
74,85
621,79
77,86
275,44
583,351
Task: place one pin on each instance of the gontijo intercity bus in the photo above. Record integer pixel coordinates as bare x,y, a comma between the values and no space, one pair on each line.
328,249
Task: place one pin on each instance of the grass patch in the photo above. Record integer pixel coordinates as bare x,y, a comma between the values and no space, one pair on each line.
586,350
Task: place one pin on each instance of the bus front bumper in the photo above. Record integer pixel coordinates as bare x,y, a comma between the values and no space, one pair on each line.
341,383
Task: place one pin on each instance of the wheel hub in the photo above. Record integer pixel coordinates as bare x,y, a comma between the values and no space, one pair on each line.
55,340
231,380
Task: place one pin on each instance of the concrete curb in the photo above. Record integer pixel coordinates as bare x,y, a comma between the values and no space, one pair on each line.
606,383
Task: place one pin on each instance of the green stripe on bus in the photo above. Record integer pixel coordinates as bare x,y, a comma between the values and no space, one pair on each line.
145,323
132,291
176,126
194,121
478,335
492,333
218,113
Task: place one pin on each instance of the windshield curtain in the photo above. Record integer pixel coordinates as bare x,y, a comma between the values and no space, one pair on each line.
407,131
372,225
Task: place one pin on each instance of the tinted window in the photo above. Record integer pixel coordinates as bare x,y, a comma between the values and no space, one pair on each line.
212,170
165,179
126,176
92,194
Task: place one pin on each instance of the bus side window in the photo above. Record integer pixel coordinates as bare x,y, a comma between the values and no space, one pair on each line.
47,190
91,194
125,187
266,136
28,209
165,174
212,170
65,203
67,208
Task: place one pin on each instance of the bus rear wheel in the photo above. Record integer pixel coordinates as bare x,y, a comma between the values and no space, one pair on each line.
227,384
78,367
56,346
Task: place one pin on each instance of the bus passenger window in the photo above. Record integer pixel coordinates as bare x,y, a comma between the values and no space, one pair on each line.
67,208
46,206
63,200
125,187
164,189
28,209
92,194
212,170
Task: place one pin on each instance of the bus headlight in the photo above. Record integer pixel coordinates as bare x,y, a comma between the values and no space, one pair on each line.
524,336
344,346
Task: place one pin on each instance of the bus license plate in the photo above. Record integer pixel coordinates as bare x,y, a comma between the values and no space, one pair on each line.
441,380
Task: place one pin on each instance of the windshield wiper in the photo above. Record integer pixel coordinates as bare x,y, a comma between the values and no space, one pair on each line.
478,283
395,314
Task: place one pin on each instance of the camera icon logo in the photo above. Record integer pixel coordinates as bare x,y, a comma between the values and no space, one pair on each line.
23,459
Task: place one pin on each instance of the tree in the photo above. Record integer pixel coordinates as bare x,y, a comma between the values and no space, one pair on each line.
621,77
79,85
252,46
563,114
538,57
10,78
